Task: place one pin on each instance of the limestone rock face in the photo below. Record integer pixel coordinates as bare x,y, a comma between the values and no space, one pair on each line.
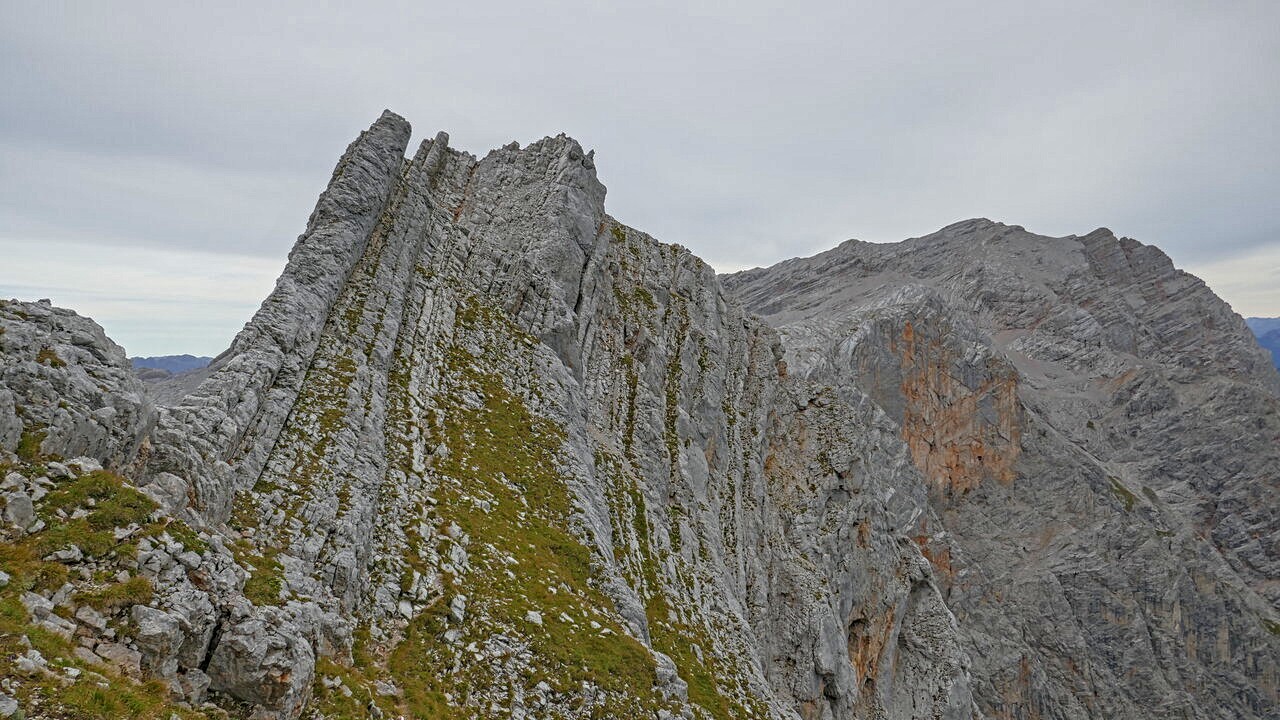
262,660
65,388
475,398
1098,435
486,451
236,415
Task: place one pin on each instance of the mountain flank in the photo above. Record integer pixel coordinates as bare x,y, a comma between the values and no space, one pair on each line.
486,451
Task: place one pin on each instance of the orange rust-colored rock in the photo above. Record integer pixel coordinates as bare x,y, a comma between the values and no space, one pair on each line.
867,640
939,556
950,440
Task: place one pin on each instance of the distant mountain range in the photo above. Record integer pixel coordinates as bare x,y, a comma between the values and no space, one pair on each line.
1268,332
171,363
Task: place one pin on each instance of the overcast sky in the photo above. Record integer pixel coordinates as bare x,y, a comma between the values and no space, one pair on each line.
157,160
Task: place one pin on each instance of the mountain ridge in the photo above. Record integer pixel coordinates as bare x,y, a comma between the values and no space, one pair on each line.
486,451
171,363
1261,325
1271,342
1268,332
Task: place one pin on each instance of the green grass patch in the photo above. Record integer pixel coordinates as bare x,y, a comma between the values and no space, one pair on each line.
333,704
507,456
1122,493
29,444
85,699
183,533
137,590
109,504
27,571
47,356
266,581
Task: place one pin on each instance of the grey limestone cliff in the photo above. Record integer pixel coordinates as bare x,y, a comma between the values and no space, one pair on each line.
486,451
1098,435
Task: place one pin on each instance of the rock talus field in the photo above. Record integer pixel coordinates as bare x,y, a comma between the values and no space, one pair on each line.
487,452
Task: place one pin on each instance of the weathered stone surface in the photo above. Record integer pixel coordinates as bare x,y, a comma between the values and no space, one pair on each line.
261,660
8,706
450,270
158,636
217,436
1098,434
499,455
124,658
65,388
19,511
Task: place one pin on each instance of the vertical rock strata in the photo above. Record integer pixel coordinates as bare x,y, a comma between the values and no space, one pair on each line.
487,452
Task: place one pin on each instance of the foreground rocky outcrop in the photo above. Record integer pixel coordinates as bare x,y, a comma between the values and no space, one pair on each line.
487,452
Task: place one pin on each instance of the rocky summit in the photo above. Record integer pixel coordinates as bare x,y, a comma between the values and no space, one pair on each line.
487,452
